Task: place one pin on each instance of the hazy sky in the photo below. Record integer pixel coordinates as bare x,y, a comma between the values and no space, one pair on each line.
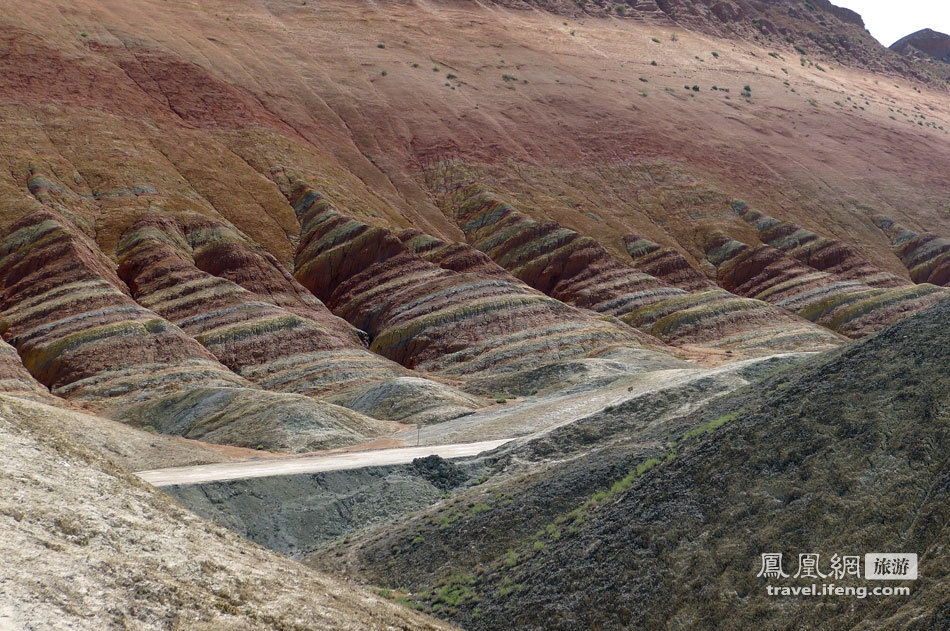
890,20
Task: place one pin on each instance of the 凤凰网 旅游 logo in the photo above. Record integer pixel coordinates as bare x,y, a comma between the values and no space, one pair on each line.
878,566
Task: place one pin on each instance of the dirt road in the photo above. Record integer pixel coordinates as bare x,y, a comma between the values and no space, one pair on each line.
309,464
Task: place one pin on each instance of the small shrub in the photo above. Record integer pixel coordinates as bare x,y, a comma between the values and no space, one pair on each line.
653,63
380,45
655,40
450,76
383,73
643,79
695,88
715,54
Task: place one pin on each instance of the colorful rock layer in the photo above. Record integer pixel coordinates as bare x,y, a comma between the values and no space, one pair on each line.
925,255
458,257
849,307
269,345
429,317
221,250
78,332
577,270
821,253
665,263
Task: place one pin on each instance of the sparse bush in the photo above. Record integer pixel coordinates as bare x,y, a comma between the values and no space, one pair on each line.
380,45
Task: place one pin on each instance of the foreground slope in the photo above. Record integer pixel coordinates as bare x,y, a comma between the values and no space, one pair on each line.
844,454
105,550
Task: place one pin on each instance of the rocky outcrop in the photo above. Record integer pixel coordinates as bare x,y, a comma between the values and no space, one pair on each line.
271,346
848,307
577,270
926,256
665,263
432,318
821,253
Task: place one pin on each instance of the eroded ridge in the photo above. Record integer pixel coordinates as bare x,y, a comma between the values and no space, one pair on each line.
576,269
821,253
849,307
78,330
665,263
272,346
925,255
429,317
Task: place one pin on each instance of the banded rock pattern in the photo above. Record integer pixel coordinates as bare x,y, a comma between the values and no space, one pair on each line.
577,270
845,306
223,251
271,346
925,255
458,257
664,263
81,334
428,317
821,253
78,332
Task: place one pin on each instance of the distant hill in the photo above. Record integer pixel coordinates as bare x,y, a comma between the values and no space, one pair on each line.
925,42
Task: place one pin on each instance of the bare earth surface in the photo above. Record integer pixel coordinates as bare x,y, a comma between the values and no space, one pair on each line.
106,551
310,464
